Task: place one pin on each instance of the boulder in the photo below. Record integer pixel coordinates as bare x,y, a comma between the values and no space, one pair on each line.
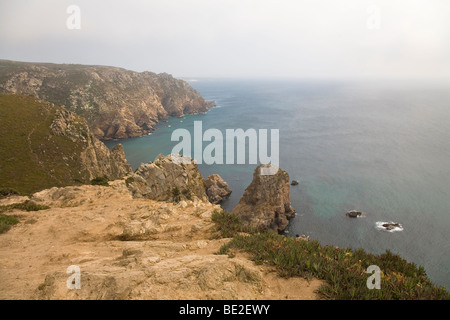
294,183
266,201
216,189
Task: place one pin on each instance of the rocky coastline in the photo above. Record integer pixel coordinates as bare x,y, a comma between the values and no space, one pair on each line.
151,233
116,103
146,234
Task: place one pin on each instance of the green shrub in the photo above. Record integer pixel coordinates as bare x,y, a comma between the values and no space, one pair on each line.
31,206
100,181
176,195
129,181
228,224
6,192
6,222
25,206
187,193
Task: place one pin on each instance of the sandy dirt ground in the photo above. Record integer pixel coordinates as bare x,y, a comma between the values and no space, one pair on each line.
128,248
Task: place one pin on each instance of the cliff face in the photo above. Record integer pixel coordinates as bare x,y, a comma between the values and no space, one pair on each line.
266,201
43,146
116,103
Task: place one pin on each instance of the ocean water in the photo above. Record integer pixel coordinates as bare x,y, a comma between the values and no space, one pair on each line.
378,147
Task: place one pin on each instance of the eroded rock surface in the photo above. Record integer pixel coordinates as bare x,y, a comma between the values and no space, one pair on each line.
129,248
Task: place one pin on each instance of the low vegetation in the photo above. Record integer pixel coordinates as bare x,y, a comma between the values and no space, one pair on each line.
100,181
129,181
227,224
176,194
31,157
343,269
6,192
6,221
187,193
24,206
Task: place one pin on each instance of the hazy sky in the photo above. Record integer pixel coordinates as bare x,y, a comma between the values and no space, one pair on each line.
236,38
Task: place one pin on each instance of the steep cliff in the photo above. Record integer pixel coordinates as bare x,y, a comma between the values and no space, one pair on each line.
43,145
116,103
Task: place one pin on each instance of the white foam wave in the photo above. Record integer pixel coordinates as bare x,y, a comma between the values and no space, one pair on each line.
388,226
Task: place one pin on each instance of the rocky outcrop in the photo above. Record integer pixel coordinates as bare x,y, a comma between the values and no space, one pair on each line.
168,178
117,103
217,190
46,146
266,201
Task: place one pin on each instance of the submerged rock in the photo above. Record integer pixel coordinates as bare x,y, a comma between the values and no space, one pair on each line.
217,190
266,201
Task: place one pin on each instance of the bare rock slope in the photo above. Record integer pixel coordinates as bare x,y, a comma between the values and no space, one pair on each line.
117,103
129,248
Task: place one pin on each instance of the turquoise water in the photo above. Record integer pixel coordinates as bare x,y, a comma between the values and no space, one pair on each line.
381,148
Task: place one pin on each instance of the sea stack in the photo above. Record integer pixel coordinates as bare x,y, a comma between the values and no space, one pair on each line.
266,201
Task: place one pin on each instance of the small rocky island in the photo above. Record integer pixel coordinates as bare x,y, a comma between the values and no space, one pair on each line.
353,214
389,226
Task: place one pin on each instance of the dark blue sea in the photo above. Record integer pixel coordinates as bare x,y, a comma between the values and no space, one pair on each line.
378,147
